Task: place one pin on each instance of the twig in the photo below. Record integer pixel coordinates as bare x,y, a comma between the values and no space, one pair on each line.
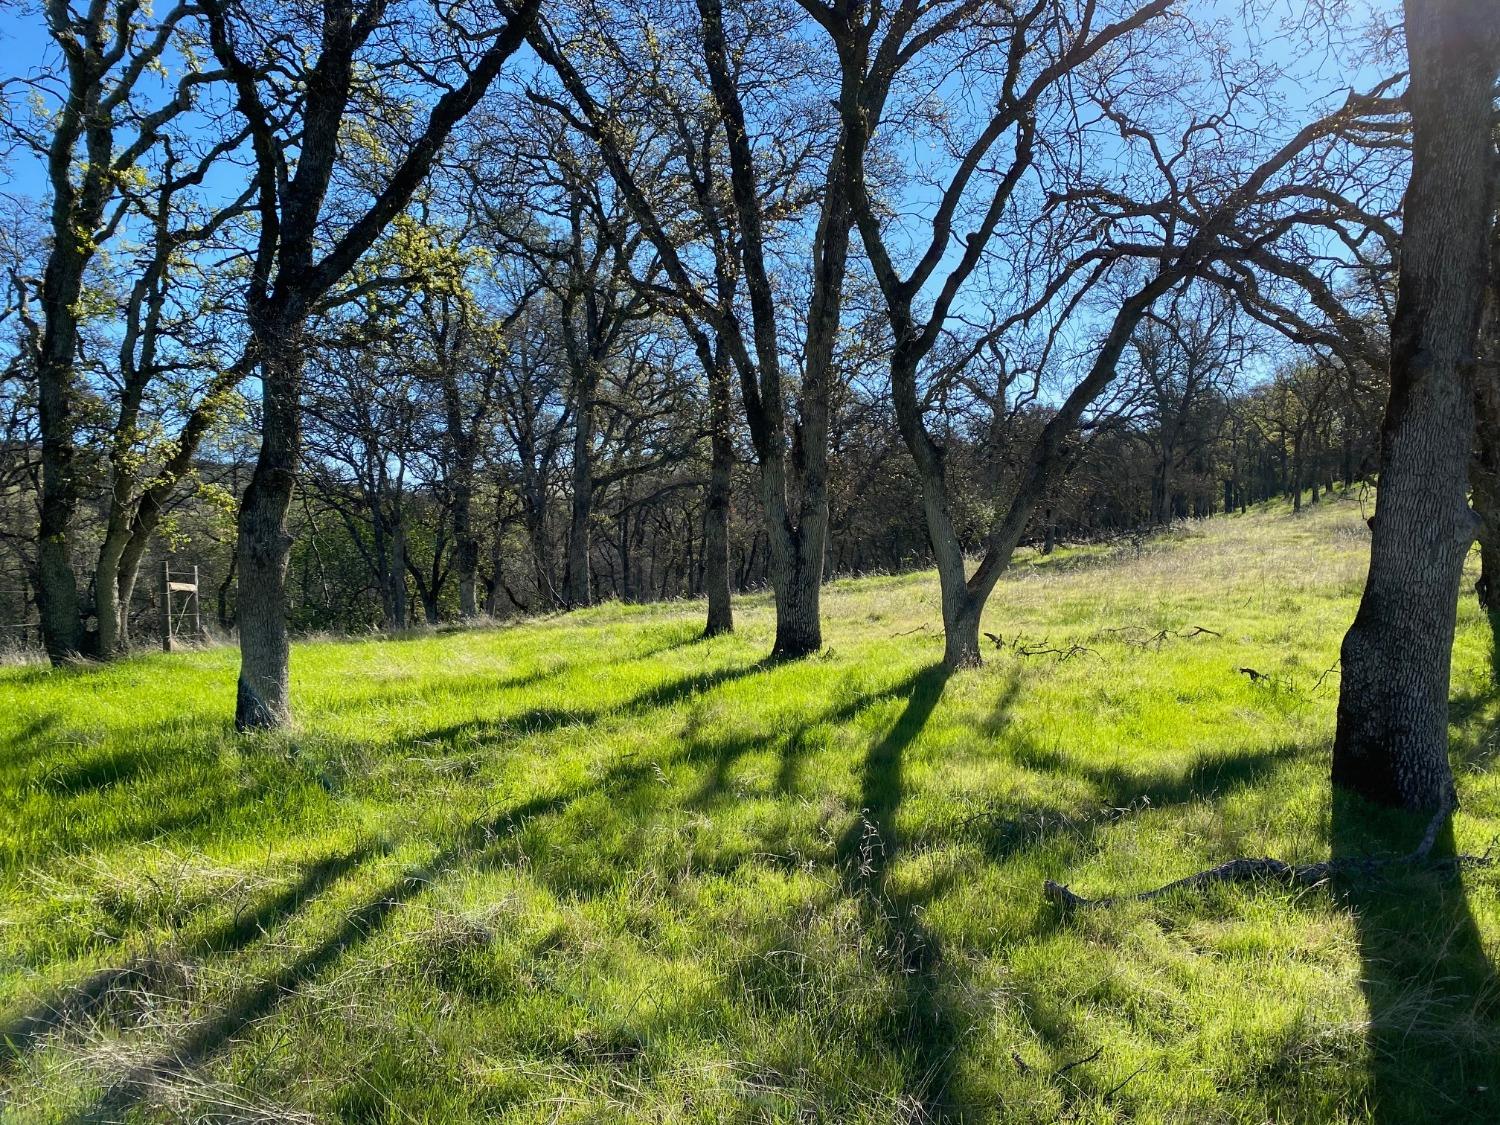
1077,1062
1117,1087
1329,671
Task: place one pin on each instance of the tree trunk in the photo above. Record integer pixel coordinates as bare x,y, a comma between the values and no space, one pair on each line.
465,554
961,631
798,583
111,609
128,569
1484,468
535,520
1161,491
1296,479
577,588
226,622
465,541
716,500
57,586
263,698
394,579
1391,744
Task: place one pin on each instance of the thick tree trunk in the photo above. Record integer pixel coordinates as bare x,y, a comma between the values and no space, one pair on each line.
1391,744
1161,491
578,589
57,586
798,583
961,631
263,699
1484,468
128,569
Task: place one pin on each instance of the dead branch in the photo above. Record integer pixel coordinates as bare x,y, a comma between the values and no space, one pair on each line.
1023,647
1331,670
1266,869
1077,1062
1157,639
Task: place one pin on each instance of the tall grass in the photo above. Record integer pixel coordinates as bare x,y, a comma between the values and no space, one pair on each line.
594,868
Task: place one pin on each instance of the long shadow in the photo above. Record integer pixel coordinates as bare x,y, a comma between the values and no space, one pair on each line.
1432,992
88,997
792,744
542,720
472,845
101,771
922,1029
348,700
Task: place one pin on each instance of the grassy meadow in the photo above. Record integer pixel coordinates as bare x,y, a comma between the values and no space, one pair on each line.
593,868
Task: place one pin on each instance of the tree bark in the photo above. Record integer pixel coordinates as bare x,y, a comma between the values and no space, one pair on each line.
1391,744
717,497
265,545
110,608
1484,469
62,283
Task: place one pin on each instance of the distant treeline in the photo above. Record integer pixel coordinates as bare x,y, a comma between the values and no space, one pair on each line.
376,523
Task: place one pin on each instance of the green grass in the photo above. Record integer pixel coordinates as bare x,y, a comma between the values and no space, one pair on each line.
595,869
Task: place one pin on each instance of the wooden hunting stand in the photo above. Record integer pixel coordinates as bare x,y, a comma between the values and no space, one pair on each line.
186,610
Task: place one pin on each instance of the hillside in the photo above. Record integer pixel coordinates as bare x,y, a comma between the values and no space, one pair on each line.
592,868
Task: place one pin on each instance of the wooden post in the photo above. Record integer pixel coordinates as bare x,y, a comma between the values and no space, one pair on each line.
197,611
166,608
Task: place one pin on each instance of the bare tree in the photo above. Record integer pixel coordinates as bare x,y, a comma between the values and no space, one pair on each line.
302,114
791,448
1200,180
105,122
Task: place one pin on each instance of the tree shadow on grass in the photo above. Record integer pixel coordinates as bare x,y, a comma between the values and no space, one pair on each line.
473,845
921,1029
1432,992
98,771
792,743
542,720
119,986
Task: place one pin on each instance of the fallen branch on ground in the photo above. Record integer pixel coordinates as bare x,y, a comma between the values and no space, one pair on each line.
1135,636
1022,647
1245,870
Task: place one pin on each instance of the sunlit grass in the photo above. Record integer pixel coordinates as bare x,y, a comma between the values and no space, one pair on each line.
593,868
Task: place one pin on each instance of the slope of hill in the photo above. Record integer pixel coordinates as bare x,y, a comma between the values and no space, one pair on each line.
593,868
